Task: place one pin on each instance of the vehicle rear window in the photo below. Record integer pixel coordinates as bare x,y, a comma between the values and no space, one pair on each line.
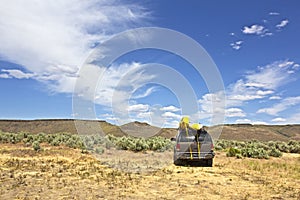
186,136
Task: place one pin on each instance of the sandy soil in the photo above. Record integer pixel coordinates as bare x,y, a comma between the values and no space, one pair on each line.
64,173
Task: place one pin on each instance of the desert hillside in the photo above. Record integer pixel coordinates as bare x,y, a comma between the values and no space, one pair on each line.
58,126
230,132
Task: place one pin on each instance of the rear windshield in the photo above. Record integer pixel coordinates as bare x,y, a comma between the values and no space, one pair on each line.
189,136
186,135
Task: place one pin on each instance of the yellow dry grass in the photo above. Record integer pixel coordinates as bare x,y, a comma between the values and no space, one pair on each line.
64,173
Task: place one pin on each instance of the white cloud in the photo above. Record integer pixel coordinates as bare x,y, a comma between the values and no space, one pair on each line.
293,119
5,76
211,109
138,108
52,39
243,121
170,108
282,24
254,29
242,91
264,93
256,85
248,121
281,106
275,98
278,119
259,84
270,76
171,124
171,115
108,117
286,64
296,66
118,83
211,104
236,45
235,112
146,93
15,73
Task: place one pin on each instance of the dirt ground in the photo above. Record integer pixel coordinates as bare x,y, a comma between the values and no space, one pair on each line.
64,173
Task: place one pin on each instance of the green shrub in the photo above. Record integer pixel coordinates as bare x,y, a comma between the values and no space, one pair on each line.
253,149
295,148
232,152
218,148
36,146
274,152
99,150
283,147
55,141
255,153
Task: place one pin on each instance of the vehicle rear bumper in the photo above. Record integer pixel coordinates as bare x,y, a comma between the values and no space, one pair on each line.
194,155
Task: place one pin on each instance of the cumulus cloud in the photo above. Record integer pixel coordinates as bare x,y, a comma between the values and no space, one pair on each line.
240,92
282,24
235,112
255,30
259,84
51,39
278,119
296,66
286,64
171,115
152,114
118,83
170,108
236,45
211,108
138,108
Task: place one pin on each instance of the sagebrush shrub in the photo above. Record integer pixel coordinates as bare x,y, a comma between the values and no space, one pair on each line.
275,152
36,146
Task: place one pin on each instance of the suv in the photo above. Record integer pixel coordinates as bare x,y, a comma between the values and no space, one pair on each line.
194,148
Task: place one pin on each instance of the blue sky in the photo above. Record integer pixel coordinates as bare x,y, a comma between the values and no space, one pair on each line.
254,45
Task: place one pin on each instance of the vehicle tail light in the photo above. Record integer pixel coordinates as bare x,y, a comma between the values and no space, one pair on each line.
177,146
212,146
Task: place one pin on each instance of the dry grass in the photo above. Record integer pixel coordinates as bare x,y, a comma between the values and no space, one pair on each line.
63,173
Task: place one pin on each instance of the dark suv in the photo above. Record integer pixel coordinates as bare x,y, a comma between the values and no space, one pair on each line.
195,147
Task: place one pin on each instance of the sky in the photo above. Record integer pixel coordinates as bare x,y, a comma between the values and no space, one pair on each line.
52,57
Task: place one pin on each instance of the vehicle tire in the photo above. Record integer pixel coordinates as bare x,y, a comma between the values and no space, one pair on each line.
177,162
209,162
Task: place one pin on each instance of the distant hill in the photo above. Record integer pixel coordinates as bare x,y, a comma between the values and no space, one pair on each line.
260,132
139,129
60,125
230,131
